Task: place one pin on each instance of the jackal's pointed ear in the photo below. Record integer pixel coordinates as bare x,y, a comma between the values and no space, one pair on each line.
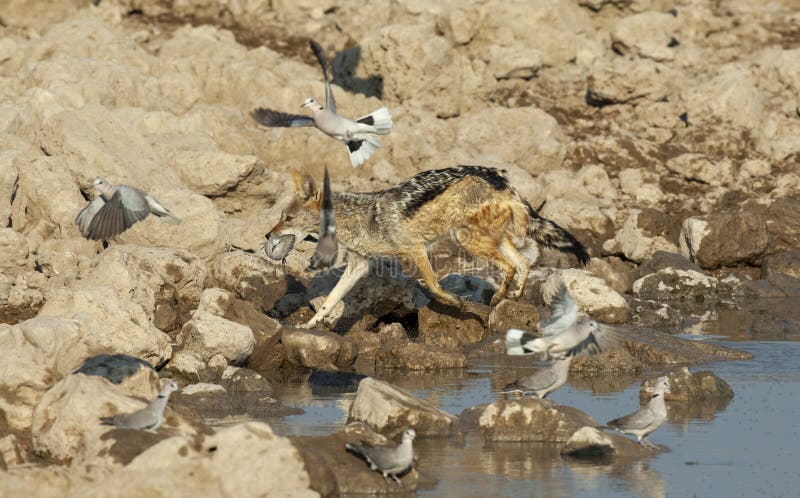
304,185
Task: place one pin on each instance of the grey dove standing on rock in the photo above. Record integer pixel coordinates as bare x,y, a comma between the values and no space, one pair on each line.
545,380
648,418
278,246
359,135
148,418
116,209
327,248
563,334
388,460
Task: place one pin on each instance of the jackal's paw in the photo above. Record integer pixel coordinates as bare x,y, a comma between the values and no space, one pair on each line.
451,300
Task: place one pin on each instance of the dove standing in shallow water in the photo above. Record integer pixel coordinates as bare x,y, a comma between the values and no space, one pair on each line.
116,209
545,380
563,334
150,417
648,418
388,460
327,248
359,135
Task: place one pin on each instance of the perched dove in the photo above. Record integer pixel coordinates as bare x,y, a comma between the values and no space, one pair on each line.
150,417
564,335
358,134
278,246
388,460
545,380
116,209
648,418
327,248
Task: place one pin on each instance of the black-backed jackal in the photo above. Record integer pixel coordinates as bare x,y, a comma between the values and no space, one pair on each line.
473,204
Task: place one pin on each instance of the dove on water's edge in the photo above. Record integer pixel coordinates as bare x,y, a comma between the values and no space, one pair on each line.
148,418
565,334
648,418
388,460
116,209
327,248
357,134
544,381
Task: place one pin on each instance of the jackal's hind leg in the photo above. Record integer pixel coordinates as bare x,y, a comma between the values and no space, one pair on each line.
485,246
357,267
420,257
520,262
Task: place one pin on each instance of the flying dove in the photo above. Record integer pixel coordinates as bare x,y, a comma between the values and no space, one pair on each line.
648,418
150,417
116,209
545,380
327,248
564,334
388,460
278,246
358,134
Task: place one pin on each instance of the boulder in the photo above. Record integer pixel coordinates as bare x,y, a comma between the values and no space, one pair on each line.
686,386
232,462
416,356
68,258
617,272
513,314
643,233
592,295
316,349
166,283
660,260
670,284
697,167
644,350
110,323
66,421
730,96
591,443
207,334
525,136
786,263
531,420
249,277
389,410
267,351
346,473
468,326
724,239
14,250
626,81
646,34
186,367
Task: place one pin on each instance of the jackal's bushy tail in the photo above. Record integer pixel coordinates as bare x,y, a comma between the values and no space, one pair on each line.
550,235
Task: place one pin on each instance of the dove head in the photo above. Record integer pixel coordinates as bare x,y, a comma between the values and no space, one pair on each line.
409,434
169,388
312,103
101,185
662,385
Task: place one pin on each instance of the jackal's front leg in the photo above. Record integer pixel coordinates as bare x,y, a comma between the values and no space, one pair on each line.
357,267
420,257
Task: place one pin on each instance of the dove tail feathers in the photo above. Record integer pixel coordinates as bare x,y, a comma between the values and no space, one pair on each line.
516,341
552,236
169,218
380,120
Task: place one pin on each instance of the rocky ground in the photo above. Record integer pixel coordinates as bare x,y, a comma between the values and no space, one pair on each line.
664,134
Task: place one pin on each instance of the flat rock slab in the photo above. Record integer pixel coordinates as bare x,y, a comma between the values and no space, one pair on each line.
647,349
333,469
389,409
415,356
591,443
531,420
